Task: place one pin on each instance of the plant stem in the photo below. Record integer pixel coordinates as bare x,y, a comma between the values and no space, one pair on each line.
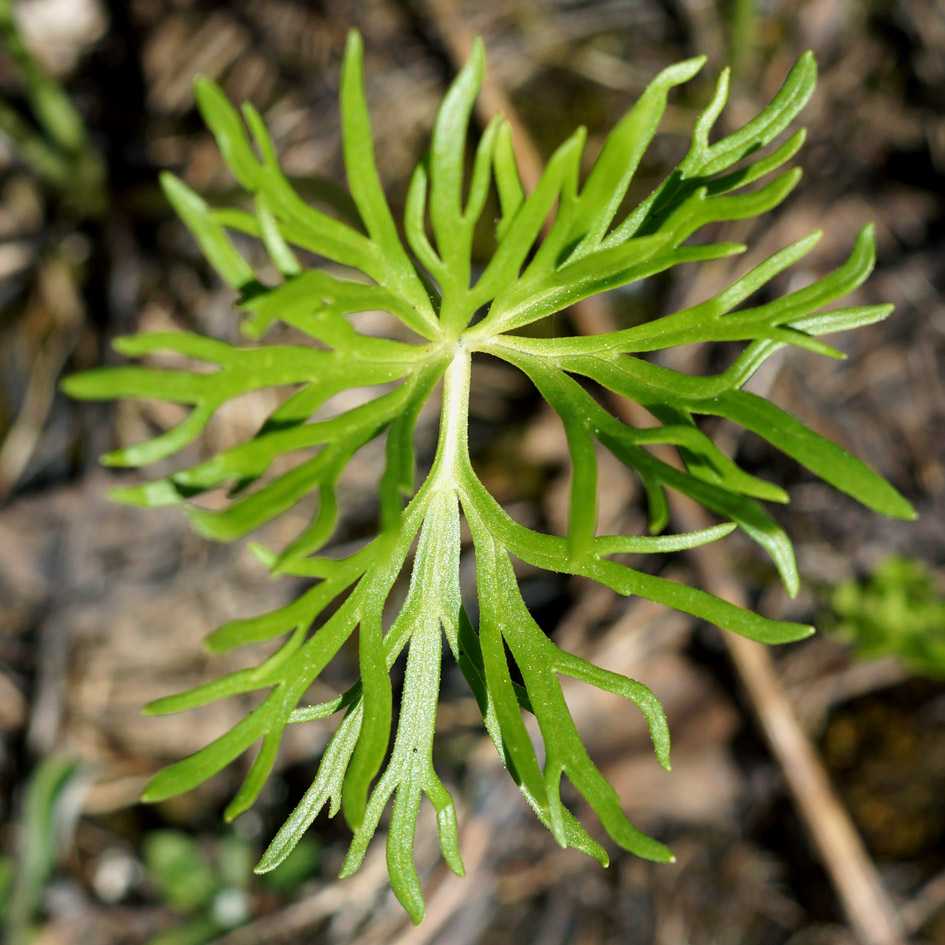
452,449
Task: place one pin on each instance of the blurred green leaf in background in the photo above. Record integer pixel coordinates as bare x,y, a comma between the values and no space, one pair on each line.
898,611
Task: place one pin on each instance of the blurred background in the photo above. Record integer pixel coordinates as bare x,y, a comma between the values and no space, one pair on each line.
104,607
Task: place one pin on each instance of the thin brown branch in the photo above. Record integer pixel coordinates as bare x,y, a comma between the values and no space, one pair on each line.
870,912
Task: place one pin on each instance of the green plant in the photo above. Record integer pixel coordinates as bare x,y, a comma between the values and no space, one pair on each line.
52,138
209,889
50,809
897,611
427,285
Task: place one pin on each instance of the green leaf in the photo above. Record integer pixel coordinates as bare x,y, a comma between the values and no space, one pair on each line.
325,789
348,386
453,233
524,228
216,245
516,741
186,774
179,869
365,184
508,183
225,123
822,457
610,177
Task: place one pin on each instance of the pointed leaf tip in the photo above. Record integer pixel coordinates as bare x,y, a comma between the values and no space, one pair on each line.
685,70
898,506
208,95
151,795
354,45
477,52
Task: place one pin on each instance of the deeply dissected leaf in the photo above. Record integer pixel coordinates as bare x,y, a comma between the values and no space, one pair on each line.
554,246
